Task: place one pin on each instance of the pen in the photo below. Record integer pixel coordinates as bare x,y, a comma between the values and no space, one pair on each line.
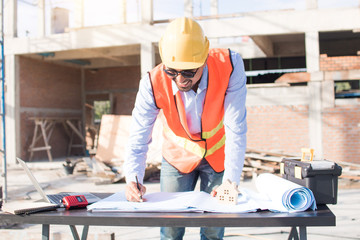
138,186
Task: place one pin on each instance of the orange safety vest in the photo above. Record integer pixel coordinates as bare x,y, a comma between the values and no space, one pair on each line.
182,149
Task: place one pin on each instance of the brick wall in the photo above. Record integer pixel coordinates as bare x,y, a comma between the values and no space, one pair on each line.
122,82
52,90
46,85
115,78
341,133
341,130
47,90
285,129
339,63
278,128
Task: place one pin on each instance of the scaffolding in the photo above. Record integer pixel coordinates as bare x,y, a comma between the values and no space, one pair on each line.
2,108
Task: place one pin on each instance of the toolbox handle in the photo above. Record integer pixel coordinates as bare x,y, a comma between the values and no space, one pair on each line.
307,154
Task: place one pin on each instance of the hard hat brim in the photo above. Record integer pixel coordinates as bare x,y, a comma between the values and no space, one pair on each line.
184,65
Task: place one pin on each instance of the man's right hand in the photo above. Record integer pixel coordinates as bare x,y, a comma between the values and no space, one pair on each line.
132,192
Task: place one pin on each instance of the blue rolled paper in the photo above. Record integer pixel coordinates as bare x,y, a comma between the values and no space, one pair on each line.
285,196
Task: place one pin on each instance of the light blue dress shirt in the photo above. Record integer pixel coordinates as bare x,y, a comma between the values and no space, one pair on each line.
145,113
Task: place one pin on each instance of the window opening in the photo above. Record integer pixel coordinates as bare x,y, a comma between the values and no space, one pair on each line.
347,89
101,108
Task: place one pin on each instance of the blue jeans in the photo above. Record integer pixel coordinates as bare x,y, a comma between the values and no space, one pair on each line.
171,180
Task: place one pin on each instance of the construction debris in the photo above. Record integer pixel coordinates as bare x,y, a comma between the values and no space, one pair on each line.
350,171
257,161
108,174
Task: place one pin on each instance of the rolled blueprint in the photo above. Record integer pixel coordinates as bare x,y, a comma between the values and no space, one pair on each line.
285,196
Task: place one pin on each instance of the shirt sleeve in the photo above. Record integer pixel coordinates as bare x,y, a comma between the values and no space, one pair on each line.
235,121
144,116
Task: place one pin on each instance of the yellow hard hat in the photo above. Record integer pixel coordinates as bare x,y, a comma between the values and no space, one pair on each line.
184,45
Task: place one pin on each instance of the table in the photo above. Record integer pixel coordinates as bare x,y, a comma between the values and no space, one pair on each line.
321,217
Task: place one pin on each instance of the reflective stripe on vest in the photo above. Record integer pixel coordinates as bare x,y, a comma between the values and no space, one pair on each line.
192,146
185,143
207,135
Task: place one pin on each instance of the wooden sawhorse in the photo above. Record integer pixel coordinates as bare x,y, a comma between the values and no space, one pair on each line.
46,126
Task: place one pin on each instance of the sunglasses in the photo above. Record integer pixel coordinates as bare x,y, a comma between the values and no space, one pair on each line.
185,73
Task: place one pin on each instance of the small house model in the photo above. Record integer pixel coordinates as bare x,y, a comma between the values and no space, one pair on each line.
227,193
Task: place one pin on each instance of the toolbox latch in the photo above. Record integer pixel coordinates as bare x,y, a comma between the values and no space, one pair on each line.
297,172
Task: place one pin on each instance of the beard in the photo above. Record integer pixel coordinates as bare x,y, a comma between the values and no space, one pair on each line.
185,85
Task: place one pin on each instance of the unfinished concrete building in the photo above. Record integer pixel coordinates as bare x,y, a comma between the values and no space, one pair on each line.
303,69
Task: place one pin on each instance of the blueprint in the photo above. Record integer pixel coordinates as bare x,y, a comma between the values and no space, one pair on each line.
275,194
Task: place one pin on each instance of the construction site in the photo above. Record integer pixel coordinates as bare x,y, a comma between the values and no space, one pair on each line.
71,71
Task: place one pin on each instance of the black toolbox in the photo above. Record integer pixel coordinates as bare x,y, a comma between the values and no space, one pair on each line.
320,176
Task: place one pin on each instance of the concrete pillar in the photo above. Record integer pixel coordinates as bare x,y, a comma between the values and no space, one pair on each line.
41,18
12,112
79,14
315,91
328,88
188,8
147,57
11,94
123,12
146,11
10,19
312,51
59,20
311,4
214,10
11,118
315,116
214,7
83,102
328,94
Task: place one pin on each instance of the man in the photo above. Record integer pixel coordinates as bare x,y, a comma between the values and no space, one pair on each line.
201,95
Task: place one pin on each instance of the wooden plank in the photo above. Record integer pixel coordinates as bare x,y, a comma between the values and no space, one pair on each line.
39,148
66,128
75,130
350,177
33,141
348,164
46,140
114,136
260,166
47,130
